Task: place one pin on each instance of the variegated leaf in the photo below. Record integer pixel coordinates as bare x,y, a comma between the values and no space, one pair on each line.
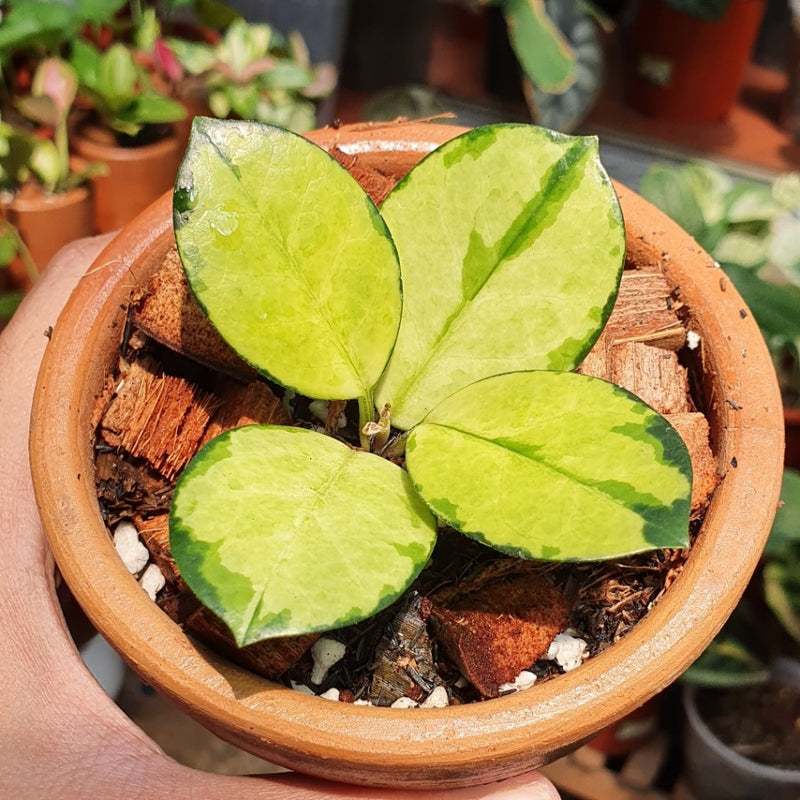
288,256
557,466
511,246
283,531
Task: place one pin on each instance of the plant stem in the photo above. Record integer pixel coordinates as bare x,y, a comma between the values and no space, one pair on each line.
61,141
27,259
366,414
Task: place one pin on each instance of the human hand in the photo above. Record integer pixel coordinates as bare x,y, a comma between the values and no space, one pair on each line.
60,734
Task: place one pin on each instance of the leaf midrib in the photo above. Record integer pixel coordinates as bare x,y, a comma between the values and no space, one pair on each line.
593,488
519,233
280,242
317,498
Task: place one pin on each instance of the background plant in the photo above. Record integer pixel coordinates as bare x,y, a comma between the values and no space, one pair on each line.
119,90
753,231
766,623
254,72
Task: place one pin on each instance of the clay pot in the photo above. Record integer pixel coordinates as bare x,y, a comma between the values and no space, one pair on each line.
136,175
685,69
46,223
423,748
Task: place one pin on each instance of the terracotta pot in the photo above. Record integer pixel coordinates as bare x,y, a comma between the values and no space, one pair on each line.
136,175
46,223
428,748
685,69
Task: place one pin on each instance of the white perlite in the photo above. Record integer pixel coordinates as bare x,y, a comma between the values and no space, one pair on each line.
331,694
133,553
325,652
152,581
436,699
567,651
404,702
692,340
524,680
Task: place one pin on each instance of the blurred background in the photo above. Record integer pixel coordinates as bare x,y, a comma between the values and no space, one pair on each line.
697,106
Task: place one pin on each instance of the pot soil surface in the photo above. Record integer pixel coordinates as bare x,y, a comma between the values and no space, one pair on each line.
761,723
475,619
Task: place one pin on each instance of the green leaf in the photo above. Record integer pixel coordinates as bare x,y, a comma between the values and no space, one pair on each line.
782,594
282,531
511,246
554,466
9,244
727,663
288,256
666,188
744,249
152,108
786,527
542,51
117,77
775,308
9,303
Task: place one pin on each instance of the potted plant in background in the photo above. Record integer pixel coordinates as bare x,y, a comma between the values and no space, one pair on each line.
45,193
127,126
686,58
11,247
753,231
742,698
447,746
253,72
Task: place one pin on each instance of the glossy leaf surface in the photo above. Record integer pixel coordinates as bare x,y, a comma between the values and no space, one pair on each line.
556,466
283,531
511,246
288,256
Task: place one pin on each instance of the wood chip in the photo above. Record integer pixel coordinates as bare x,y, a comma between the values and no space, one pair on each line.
157,417
246,404
123,487
270,658
499,624
645,312
168,312
693,429
154,532
404,665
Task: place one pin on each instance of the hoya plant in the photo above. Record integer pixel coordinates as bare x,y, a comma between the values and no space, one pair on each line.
453,317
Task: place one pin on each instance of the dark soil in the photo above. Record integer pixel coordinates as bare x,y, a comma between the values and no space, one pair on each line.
761,723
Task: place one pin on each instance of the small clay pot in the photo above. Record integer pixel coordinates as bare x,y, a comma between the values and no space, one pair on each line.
423,748
136,176
47,222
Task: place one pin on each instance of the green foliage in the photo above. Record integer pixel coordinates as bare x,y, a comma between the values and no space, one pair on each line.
254,73
46,25
753,231
11,246
766,623
297,269
119,89
25,155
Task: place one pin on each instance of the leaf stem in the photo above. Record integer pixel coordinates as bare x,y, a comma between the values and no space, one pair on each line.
366,414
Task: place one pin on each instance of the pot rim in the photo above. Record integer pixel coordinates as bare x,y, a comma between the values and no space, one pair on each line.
449,747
